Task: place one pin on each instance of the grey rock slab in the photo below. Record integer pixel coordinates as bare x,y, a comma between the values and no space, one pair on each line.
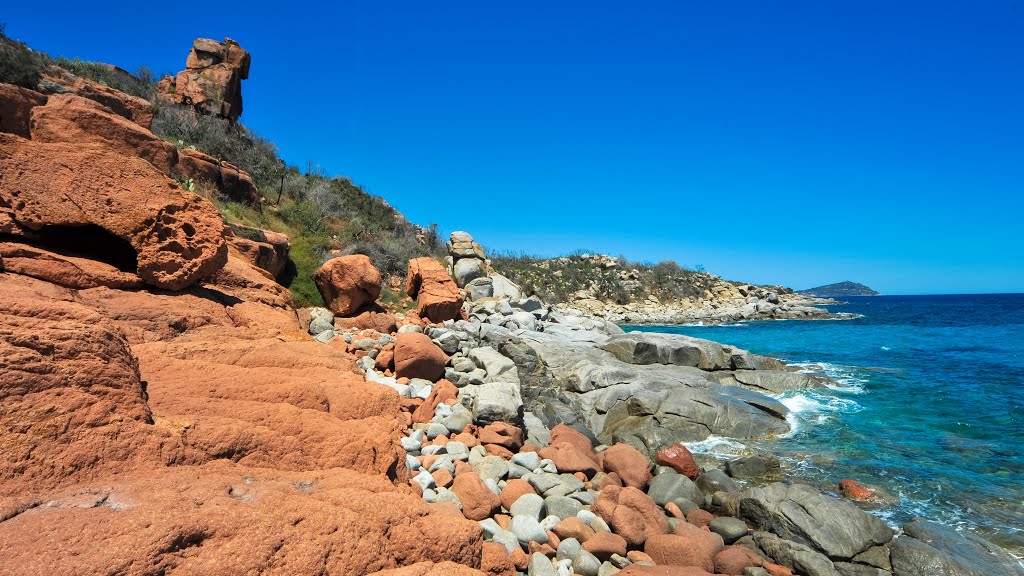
498,368
665,488
765,467
528,460
468,269
716,480
676,349
932,549
803,514
562,506
794,555
730,529
771,381
851,569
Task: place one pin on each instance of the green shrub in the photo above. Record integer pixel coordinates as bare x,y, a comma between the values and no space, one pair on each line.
19,64
141,84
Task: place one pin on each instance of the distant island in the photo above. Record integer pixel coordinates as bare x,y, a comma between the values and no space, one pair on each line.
840,289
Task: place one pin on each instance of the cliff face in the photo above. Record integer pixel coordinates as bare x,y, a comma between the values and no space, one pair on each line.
162,409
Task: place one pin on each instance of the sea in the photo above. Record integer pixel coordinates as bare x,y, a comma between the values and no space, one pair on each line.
928,405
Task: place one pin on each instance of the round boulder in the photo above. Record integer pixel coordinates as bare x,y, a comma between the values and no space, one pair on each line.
416,356
348,283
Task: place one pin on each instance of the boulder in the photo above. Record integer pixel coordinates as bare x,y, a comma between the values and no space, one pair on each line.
416,356
370,317
438,297
348,283
669,487
687,546
73,119
569,458
804,515
733,559
169,237
478,502
212,80
479,289
626,461
631,514
504,288
468,269
764,467
263,249
16,104
498,368
678,457
461,245
929,548
492,402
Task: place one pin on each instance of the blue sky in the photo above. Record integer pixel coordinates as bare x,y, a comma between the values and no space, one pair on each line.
797,143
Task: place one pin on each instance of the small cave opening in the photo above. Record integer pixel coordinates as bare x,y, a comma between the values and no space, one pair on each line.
87,241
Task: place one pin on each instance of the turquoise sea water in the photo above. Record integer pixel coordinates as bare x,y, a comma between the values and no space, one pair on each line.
929,406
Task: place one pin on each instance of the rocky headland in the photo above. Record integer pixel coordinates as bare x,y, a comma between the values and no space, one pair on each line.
166,407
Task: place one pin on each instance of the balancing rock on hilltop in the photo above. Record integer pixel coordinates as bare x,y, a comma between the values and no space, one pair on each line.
212,79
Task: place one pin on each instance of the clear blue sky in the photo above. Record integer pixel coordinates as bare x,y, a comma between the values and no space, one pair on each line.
798,143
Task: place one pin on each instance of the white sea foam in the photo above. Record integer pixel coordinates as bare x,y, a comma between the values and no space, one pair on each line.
886,349
717,446
847,378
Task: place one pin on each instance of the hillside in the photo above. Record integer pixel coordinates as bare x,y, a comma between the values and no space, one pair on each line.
840,289
322,216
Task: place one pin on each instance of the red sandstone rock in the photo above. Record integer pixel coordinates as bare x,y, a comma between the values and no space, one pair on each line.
443,391
416,356
478,502
605,544
438,297
569,458
16,104
520,559
674,510
502,434
571,527
431,569
777,570
212,79
70,118
631,513
562,433
371,317
699,518
515,488
232,182
500,451
176,235
626,461
138,110
611,479
385,360
348,283
854,490
733,559
263,249
638,556
679,458
696,548
62,269
495,560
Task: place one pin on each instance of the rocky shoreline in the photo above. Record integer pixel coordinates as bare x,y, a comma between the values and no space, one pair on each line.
563,437
166,408
746,304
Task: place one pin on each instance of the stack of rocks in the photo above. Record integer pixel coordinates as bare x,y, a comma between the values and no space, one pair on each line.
468,265
212,79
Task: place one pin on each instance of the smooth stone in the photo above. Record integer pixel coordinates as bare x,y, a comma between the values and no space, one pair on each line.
667,487
529,460
446,495
716,481
540,566
562,506
434,430
586,564
530,505
730,529
568,549
527,529
424,479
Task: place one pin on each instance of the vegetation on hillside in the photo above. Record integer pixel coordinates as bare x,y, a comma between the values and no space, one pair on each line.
323,216
601,277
